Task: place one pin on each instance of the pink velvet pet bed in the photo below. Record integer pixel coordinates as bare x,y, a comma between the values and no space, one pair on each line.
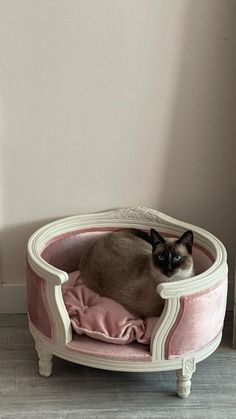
72,322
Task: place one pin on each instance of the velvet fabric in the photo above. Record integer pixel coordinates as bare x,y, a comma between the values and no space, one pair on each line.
200,320
103,318
65,250
133,352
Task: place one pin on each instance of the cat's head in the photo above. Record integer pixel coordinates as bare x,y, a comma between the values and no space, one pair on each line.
173,257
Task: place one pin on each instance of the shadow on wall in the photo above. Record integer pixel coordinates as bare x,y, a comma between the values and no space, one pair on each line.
13,247
200,174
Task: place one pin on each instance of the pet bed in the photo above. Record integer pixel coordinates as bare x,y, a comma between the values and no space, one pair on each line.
188,331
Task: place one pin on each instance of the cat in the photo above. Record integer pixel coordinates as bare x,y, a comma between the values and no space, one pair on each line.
127,265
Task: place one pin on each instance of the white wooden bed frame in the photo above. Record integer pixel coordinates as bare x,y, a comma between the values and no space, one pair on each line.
171,292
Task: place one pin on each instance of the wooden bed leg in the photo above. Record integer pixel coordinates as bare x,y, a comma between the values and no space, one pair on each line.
45,359
184,376
183,383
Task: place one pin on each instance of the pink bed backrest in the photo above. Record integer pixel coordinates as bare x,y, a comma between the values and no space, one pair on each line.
65,250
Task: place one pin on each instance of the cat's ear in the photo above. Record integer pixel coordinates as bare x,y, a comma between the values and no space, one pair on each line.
156,238
187,240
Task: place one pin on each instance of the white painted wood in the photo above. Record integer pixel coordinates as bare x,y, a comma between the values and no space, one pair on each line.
183,383
45,358
62,333
163,326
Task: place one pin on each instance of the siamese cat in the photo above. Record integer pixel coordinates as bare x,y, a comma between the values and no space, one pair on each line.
127,266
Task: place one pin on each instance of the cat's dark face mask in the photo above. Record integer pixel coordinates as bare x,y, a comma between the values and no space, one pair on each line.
172,257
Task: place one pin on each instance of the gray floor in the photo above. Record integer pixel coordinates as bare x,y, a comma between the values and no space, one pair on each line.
75,392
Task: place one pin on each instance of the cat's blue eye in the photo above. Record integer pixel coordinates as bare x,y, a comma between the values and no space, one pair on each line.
161,257
176,258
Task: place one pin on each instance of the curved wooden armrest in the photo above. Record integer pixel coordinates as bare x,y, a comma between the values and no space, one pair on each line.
36,244
192,285
48,272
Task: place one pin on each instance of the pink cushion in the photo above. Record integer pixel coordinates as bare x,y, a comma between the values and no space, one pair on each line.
103,318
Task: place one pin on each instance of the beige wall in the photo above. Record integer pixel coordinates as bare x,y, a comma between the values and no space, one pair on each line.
107,103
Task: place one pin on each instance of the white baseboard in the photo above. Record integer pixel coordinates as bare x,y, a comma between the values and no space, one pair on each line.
13,298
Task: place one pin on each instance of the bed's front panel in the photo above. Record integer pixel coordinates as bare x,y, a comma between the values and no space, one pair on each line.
199,322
